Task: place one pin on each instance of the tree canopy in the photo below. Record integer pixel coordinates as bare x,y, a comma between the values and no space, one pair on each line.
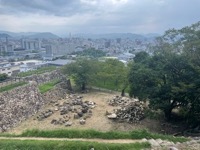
3,77
169,78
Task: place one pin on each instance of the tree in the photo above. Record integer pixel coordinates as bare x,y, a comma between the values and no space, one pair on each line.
173,71
81,71
3,77
113,72
164,79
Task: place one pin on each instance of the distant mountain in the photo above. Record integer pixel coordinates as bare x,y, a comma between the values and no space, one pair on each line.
152,35
4,35
30,34
118,35
44,35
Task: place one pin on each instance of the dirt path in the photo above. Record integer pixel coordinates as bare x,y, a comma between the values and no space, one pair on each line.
121,141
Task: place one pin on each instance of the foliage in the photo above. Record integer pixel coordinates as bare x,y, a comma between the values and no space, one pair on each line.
38,71
111,74
48,86
81,72
71,145
11,86
169,78
3,77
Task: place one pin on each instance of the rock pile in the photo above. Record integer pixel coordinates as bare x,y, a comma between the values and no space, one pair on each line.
44,114
73,108
131,110
158,144
121,101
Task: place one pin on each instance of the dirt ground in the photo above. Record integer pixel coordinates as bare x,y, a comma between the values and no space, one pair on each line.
98,121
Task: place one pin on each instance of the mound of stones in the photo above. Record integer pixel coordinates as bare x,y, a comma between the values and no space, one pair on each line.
73,108
158,144
120,101
44,114
131,110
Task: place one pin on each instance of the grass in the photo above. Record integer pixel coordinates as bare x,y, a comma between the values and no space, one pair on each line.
68,145
109,85
38,71
48,86
89,134
12,86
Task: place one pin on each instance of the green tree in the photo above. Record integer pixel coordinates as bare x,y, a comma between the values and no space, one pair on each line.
163,79
113,72
81,71
174,68
3,77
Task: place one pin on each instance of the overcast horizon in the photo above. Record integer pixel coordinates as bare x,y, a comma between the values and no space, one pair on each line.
62,17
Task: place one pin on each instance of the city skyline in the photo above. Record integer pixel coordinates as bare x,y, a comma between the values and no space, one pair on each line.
97,16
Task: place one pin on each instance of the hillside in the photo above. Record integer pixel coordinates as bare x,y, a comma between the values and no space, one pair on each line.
4,35
29,34
118,35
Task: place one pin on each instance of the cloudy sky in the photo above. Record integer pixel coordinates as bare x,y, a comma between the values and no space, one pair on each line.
97,16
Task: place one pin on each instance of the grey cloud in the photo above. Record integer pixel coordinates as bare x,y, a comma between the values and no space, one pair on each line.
55,7
133,16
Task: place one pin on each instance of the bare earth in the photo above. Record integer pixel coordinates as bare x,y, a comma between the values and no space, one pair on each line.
98,121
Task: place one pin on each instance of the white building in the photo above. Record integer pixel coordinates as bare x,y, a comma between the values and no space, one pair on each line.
10,69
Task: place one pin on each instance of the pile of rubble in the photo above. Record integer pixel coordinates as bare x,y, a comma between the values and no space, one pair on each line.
44,114
73,108
120,101
131,110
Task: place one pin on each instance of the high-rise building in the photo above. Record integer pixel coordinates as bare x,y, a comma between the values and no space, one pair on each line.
30,44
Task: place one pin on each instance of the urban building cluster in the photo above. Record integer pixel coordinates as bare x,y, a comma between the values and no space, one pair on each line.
14,51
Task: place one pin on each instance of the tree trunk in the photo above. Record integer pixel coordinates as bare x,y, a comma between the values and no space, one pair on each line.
123,92
69,86
83,87
124,88
168,112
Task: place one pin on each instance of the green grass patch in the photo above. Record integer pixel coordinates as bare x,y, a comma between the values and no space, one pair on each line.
109,85
136,134
76,134
12,86
68,145
48,86
38,71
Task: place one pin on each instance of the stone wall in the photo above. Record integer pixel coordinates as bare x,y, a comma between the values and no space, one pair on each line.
53,95
46,77
21,103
